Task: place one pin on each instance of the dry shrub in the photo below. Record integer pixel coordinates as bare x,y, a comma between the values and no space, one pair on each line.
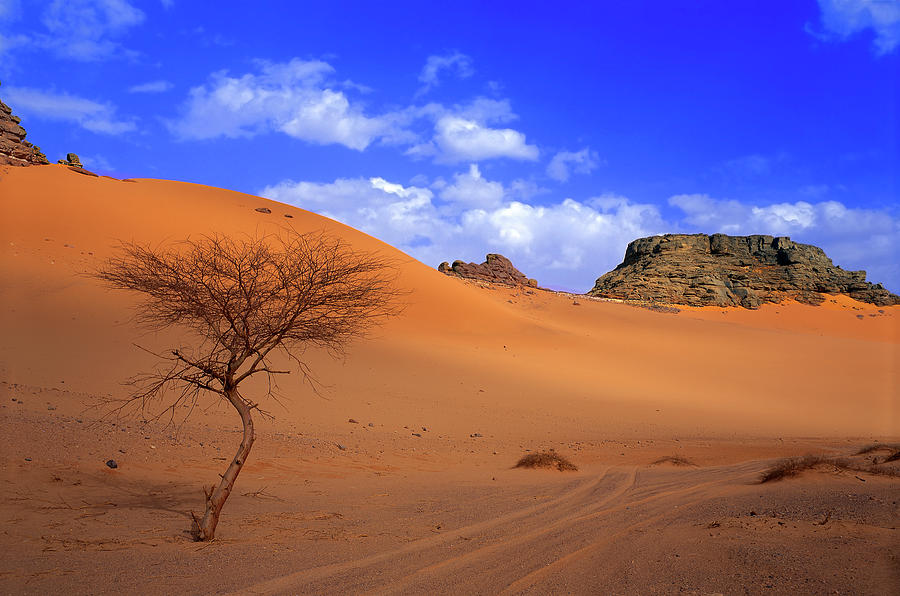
546,459
675,460
793,466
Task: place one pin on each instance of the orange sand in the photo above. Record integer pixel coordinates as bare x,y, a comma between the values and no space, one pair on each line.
612,384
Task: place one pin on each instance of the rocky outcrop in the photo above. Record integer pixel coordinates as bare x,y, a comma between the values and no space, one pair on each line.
495,269
72,160
721,270
14,149
74,163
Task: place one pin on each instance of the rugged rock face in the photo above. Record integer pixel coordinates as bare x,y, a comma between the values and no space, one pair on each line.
495,269
14,149
721,270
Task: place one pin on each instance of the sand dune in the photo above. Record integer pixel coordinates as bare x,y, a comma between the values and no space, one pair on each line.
614,385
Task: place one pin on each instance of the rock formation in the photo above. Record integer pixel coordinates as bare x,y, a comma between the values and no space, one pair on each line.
72,160
14,149
721,270
495,269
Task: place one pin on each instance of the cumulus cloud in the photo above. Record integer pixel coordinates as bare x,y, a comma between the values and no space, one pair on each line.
470,189
854,238
403,216
457,140
294,98
468,133
455,62
565,163
842,19
151,87
302,99
88,114
566,244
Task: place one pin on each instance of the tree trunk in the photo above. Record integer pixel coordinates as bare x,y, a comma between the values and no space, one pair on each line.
205,529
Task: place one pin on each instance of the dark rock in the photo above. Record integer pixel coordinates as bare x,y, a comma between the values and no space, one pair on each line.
352,421
495,269
111,463
71,160
263,210
74,163
14,149
721,270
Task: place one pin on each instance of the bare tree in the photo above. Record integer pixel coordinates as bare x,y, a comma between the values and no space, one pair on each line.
243,300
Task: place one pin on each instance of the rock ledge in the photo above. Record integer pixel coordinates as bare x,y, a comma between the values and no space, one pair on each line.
722,270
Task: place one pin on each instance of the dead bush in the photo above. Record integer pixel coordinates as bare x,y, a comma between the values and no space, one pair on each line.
546,459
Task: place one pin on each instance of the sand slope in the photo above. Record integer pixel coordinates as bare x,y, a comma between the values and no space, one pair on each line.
407,500
461,357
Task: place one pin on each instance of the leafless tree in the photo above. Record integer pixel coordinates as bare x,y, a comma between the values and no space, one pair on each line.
241,301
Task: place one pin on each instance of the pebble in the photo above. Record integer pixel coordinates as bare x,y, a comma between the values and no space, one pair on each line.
111,463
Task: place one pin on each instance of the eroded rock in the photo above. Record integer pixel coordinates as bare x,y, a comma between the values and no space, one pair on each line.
495,269
14,149
722,270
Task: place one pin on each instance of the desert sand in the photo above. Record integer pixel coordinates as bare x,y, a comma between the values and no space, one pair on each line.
418,494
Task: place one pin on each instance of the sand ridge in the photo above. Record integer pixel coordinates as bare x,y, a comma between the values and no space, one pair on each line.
456,389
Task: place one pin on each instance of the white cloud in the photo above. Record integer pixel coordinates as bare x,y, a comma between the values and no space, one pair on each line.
842,19
86,29
459,63
167,4
300,98
466,133
854,238
151,87
471,190
566,162
293,98
567,244
404,217
458,139
91,115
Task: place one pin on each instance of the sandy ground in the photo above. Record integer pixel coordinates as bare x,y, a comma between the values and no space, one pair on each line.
418,496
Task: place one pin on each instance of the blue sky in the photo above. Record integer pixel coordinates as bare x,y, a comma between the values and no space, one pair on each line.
554,135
